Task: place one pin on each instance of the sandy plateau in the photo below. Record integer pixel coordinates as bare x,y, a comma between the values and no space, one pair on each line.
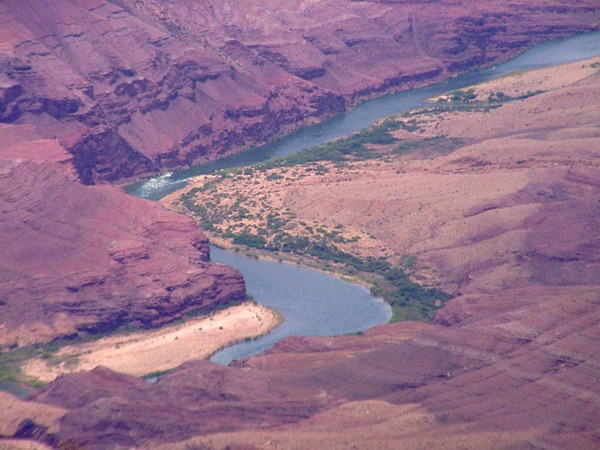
461,209
144,352
451,210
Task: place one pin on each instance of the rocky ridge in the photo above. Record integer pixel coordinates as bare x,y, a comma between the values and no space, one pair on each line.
101,91
79,260
95,91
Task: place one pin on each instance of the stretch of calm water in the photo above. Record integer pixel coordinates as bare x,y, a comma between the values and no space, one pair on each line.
313,303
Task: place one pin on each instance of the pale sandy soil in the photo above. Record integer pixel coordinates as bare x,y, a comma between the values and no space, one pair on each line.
19,444
261,196
551,78
508,119
461,210
144,352
473,214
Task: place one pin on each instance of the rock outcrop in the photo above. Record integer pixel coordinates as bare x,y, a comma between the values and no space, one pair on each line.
97,91
79,259
151,83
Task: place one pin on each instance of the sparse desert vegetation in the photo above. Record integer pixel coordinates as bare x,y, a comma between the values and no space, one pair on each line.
247,207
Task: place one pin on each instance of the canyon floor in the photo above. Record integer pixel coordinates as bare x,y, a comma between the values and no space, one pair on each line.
479,215
450,193
506,219
106,91
496,201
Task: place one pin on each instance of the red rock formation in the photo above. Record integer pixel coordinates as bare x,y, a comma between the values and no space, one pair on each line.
144,96
518,361
89,259
149,83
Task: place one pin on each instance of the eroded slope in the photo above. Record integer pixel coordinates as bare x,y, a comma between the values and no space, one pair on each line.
79,259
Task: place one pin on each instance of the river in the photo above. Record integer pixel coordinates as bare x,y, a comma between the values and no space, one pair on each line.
315,304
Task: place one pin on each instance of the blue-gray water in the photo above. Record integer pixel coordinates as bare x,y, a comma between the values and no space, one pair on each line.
544,55
289,288
313,303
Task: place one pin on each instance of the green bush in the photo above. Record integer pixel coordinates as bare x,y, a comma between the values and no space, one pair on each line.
463,96
250,240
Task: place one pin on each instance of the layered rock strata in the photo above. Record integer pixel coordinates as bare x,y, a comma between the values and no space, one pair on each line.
153,83
128,87
511,362
79,260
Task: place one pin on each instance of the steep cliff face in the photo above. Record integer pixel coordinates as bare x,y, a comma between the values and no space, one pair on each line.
143,96
80,259
156,83
128,87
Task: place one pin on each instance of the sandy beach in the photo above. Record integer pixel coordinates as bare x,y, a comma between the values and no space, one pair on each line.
144,352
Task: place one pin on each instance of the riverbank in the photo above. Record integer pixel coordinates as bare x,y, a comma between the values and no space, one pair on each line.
510,213
145,352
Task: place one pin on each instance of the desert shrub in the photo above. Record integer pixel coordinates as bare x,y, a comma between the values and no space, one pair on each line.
250,240
463,96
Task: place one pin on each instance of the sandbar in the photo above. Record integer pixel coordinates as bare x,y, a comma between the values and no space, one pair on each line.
144,352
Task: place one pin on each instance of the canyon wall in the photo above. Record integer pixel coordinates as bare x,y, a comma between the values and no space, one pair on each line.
129,87
93,91
509,220
88,259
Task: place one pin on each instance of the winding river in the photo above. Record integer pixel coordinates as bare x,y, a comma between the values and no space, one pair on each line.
315,304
